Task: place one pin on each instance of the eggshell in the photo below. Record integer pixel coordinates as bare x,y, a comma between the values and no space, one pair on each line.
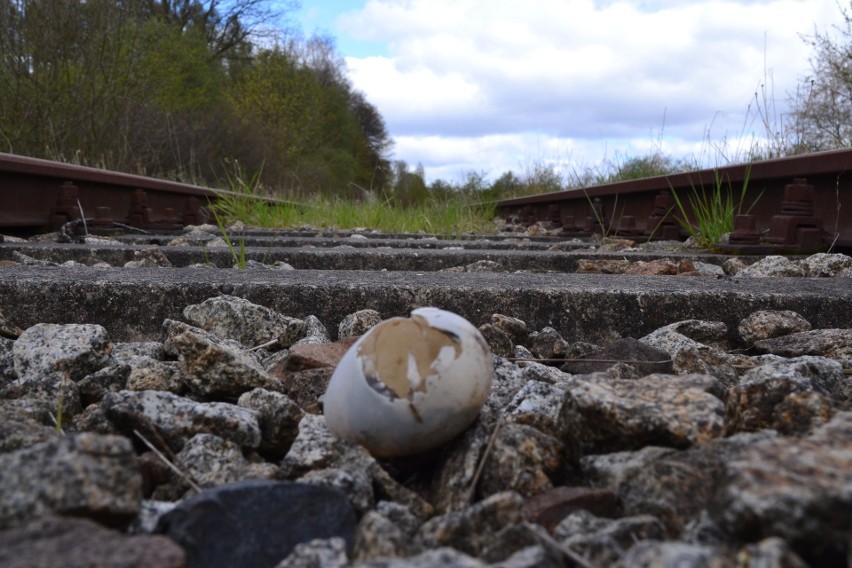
410,384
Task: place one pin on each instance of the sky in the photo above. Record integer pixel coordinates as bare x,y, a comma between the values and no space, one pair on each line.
489,86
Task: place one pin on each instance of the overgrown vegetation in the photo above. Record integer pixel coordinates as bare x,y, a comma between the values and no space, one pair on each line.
711,211
444,217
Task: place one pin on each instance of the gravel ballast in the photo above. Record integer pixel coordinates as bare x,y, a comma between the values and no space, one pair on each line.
173,416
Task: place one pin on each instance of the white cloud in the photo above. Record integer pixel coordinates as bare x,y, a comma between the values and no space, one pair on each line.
488,77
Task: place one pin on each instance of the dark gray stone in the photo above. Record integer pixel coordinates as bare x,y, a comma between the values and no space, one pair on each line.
230,317
675,486
62,542
521,459
318,553
358,323
825,342
603,414
547,344
656,554
278,417
210,461
498,340
770,396
766,324
772,266
824,264
216,368
603,541
158,414
470,530
256,523
797,489
20,428
82,474
47,348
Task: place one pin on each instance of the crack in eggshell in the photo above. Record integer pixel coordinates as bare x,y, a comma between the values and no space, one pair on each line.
402,354
415,412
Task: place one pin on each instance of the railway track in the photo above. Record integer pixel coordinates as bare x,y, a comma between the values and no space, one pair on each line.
794,205
40,195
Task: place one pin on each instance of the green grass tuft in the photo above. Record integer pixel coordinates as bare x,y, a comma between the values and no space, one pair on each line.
713,210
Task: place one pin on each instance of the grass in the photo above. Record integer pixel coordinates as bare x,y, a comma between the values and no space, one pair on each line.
447,218
237,253
443,218
606,227
60,405
713,210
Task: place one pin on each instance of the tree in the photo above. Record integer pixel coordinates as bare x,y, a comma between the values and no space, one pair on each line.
822,107
178,88
408,188
68,72
226,24
374,143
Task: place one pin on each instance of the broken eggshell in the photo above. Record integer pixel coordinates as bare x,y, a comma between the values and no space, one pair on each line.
410,384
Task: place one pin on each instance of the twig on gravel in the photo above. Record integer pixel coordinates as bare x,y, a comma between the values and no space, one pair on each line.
567,552
484,458
262,345
66,231
627,361
166,461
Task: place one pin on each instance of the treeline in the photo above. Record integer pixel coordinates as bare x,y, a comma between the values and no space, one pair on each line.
184,89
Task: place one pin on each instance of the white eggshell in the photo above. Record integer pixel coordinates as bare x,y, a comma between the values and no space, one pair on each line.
410,384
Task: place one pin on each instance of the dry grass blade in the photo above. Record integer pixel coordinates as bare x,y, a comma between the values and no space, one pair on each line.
263,345
572,556
490,446
172,466
627,361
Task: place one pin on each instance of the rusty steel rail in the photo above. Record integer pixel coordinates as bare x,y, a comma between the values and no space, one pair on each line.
40,195
798,204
